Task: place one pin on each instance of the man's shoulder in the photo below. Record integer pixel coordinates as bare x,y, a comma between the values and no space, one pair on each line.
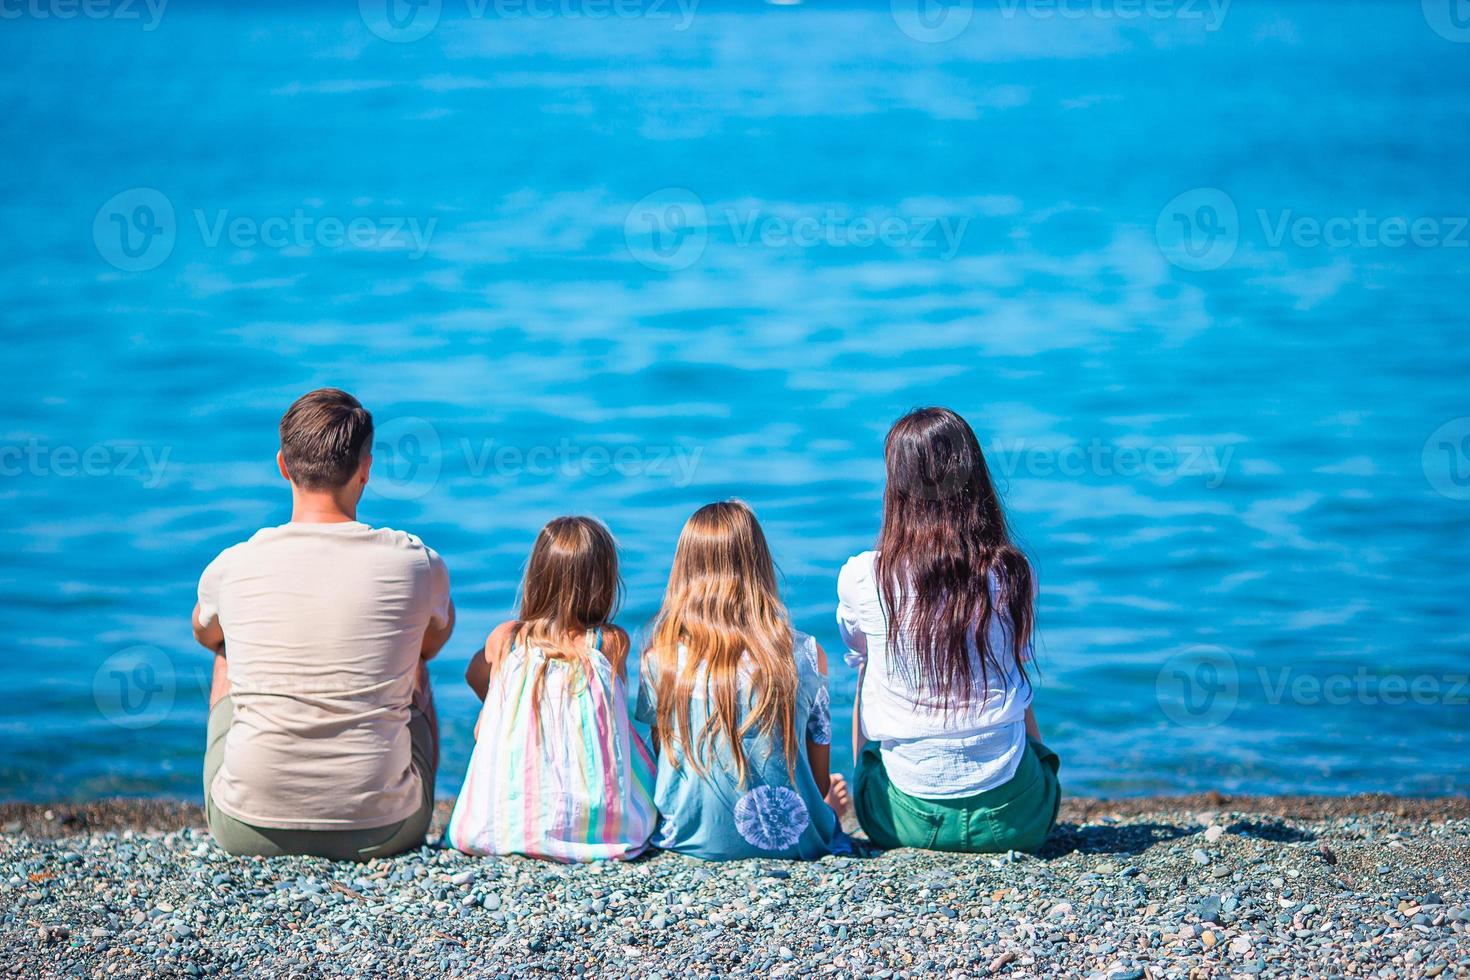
389,543
230,553
395,538
410,547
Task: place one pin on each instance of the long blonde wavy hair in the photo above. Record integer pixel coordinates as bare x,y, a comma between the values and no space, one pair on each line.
571,586
722,605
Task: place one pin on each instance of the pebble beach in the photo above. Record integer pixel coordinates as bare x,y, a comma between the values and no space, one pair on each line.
1204,886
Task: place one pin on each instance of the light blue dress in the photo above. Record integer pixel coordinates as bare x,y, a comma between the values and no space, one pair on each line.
774,815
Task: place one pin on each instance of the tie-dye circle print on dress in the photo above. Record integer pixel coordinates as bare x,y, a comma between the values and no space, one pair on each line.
776,814
771,817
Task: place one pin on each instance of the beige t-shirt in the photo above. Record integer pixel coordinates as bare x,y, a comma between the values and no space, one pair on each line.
323,624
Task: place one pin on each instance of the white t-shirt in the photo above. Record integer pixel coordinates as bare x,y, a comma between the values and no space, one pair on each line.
324,625
977,747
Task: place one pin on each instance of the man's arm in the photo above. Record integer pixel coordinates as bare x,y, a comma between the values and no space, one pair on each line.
436,636
211,637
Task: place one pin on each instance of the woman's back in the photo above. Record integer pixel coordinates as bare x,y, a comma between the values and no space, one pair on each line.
777,813
557,771
931,752
940,619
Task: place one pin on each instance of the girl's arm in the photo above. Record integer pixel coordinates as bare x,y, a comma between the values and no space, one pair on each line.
818,755
645,710
1032,730
481,665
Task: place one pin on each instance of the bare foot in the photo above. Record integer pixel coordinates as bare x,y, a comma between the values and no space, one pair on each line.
839,798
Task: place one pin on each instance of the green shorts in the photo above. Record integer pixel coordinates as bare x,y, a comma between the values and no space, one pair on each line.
1015,816
239,837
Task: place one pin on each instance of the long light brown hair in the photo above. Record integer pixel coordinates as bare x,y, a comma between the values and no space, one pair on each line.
571,586
723,606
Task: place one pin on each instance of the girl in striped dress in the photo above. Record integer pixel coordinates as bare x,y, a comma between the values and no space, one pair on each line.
557,771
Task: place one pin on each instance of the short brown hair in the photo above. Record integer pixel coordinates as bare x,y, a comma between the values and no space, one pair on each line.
323,436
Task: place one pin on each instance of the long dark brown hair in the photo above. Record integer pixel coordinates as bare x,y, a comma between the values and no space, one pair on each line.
943,547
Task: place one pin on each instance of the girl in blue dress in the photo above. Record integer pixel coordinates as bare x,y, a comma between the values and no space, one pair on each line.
737,701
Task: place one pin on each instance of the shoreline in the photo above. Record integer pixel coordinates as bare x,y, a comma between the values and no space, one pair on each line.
64,818
1206,885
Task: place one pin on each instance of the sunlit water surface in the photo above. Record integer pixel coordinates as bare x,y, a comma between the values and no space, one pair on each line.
622,268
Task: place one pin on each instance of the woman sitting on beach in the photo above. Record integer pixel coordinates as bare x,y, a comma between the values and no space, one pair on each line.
557,771
738,704
939,621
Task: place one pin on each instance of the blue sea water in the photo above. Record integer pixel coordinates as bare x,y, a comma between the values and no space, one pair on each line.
626,265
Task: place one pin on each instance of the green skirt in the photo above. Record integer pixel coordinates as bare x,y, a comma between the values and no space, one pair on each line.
1015,816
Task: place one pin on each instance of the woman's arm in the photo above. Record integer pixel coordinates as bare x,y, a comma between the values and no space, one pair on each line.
848,592
1032,730
477,672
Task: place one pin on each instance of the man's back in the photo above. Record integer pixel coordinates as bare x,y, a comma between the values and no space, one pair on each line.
324,625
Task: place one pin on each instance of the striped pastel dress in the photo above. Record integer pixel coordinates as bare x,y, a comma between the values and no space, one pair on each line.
575,784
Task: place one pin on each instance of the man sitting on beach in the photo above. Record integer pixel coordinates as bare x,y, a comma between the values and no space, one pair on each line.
322,733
